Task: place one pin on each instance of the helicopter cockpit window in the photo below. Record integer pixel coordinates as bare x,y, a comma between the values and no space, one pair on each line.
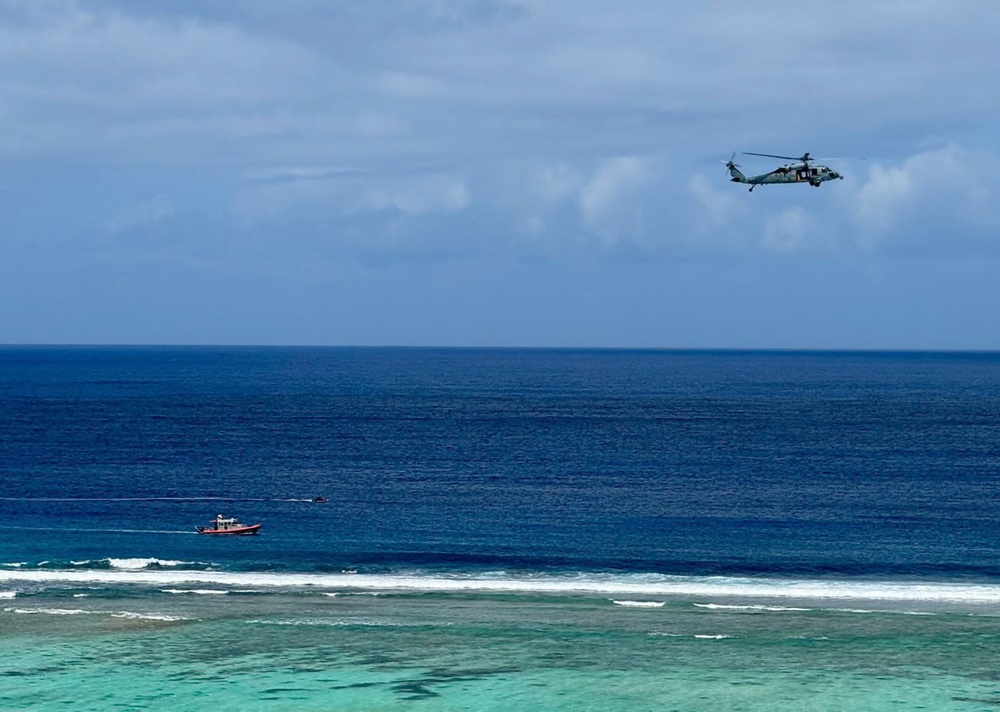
815,172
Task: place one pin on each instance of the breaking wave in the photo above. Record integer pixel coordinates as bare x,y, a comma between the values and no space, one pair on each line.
624,589
130,564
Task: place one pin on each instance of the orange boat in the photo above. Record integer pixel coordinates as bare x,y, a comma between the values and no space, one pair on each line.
228,525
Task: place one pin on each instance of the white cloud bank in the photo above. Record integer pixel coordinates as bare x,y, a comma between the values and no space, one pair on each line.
945,190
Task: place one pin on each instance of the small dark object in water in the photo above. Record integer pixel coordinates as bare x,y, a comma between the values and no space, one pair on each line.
320,499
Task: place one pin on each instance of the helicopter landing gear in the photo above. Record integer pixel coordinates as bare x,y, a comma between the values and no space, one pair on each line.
814,184
752,187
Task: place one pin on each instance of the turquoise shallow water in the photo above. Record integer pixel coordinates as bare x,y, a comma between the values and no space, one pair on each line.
144,648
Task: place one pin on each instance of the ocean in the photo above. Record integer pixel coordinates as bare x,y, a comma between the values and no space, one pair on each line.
505,529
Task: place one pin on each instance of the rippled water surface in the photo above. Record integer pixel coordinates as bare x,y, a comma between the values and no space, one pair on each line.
506,529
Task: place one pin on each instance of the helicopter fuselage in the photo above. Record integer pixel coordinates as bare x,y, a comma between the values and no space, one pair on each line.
810,173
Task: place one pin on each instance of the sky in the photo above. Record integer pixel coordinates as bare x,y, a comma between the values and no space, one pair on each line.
498,173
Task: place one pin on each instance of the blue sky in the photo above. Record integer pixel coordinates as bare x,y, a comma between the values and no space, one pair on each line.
498,172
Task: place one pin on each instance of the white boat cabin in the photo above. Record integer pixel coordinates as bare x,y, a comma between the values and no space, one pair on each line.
223,523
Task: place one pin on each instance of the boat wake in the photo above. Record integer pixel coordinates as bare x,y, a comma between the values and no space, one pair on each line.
104,531
210,498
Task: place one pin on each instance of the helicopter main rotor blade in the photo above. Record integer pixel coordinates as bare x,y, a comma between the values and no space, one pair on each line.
771,155
808,158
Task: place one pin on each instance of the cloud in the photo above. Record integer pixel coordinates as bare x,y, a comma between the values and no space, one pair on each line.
94,80
786,231
611,201
322,192
413,86
555,183
932,203
629,205
90,55
534,198
537,127
881,197
715,208
149,212
414,197
280,82
927,201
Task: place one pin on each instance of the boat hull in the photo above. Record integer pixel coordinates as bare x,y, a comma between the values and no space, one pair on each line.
249,529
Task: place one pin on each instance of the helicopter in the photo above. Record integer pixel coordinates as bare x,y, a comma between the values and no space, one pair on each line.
802,171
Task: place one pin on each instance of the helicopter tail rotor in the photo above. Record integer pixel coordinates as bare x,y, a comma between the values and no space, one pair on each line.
734,169
729,164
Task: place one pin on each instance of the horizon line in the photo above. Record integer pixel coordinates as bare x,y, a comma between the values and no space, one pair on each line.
472,347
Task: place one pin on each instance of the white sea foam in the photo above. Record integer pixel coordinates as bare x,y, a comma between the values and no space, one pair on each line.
81,612
142,563
639,604
8,594
872,610
807,637
778,609
336,622
701,636
81,595
136,563
713,637
50,611
198,591
620,586
751,607
148,616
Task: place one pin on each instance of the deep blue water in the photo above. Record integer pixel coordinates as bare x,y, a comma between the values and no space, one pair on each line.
770,463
